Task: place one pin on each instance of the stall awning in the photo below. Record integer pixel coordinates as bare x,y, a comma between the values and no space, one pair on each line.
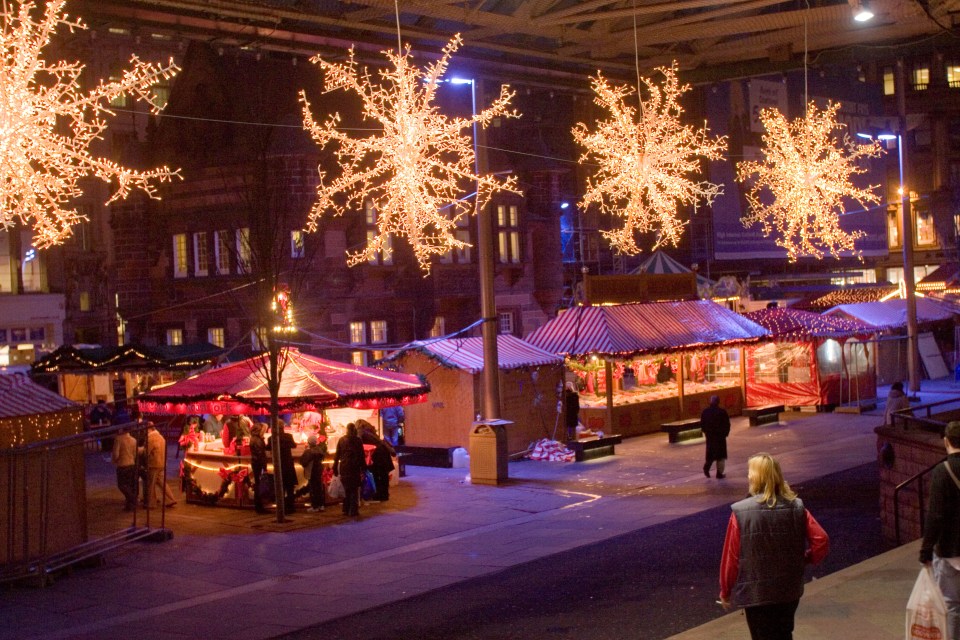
794,324
467,353
132,357
892,314
307,383
20,396
635,329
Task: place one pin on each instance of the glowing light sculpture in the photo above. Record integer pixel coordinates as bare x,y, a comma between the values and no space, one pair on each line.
806,168
47,125
645,165
415,170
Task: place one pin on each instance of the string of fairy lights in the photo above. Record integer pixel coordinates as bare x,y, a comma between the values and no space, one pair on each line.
416,164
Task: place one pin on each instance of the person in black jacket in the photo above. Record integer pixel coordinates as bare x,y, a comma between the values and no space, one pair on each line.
349,464
288,471
258,463
312,463
381,461
571,408
715,424
941,531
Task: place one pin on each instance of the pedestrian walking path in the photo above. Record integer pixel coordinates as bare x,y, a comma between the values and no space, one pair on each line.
225,570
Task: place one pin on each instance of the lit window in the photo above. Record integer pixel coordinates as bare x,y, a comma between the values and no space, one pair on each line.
508,234
120,100
953,75
378,331
258,338
215,336
889,82
439,327
385,257
201,254
84,301
180,255
174,337
895,275
296,244
221,252
243,250
926,235
358,358
921,77
161,94
377,355
893,229
505,322
358,333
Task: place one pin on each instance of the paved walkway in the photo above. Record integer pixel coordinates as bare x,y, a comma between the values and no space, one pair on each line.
224,569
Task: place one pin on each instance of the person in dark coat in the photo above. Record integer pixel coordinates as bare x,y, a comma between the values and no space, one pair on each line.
258,463
715,424
312,463
382,462
349,464
288,471
571,408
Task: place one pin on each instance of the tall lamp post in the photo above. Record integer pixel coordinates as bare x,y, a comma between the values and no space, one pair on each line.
906,241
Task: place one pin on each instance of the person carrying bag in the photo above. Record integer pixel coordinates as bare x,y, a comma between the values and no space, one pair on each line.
926,609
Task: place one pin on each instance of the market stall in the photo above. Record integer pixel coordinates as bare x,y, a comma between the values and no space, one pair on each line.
814,360
529,381
316,396
664,360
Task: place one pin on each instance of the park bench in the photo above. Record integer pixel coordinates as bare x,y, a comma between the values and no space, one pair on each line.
767,414
589,448
680,430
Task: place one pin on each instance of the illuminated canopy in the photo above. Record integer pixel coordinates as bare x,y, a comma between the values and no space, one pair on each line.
308,383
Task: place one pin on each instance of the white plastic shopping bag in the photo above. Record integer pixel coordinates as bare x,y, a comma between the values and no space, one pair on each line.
335,490
926,609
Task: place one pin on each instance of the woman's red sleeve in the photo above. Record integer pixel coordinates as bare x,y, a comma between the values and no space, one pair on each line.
730,561
818,541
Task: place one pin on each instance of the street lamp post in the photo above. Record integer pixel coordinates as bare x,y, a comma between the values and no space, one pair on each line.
906,241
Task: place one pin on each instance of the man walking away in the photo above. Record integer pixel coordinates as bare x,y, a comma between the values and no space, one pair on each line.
941,537
715,424
124,456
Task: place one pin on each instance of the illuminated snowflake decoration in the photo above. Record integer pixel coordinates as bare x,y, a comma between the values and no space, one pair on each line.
415,170
807,169
645,166
47,125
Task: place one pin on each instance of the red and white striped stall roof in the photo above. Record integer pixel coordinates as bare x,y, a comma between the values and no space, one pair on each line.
20,396
634,329
786,323
467,353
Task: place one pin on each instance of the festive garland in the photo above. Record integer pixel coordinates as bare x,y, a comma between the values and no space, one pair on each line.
238,476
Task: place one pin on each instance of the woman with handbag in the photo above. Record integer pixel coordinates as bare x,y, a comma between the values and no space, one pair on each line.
349,465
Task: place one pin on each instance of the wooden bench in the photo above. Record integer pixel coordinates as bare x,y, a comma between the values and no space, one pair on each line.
763,415
681,430
589,448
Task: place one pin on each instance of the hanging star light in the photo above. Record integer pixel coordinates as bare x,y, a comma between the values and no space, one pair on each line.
47,125
644,165
414,171
807,169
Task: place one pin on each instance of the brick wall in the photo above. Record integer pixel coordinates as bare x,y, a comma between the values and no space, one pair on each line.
913,452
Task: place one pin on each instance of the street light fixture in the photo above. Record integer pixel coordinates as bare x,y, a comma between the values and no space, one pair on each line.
906,240
861,10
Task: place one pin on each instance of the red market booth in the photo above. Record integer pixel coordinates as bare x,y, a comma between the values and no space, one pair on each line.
813,361
529,382
320,396
664,359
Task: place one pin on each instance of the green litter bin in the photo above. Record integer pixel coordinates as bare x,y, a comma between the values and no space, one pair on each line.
488,451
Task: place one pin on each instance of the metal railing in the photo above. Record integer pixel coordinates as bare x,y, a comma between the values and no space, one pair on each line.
29,517
896,499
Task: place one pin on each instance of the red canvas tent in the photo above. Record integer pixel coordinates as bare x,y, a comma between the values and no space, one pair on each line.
307,383
814,360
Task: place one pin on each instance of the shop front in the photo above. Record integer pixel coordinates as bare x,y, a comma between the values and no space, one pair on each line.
663,360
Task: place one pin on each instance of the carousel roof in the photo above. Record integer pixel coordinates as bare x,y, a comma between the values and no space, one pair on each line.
20,396
467,353
307,383
634,329
787,323
892,314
